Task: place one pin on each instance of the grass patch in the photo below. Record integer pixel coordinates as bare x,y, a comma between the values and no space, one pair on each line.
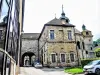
74,70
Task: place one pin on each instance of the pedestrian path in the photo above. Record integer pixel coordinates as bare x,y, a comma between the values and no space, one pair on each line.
44,71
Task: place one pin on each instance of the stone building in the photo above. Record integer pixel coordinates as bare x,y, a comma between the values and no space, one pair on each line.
61,44
84,42
29,51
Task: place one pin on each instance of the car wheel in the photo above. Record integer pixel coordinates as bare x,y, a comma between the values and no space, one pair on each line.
97,71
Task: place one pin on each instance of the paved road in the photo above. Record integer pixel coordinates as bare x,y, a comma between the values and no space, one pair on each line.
44,71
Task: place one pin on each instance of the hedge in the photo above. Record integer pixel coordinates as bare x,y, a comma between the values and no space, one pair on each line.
86,61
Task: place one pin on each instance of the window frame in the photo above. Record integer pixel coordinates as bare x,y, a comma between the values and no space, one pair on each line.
55,58
61,58
52,35
69,33
87,33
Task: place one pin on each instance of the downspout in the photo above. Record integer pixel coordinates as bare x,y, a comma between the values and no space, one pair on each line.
38,51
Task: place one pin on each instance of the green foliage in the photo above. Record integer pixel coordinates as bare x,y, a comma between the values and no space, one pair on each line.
97,51
98,41
74,70
86,61
95,43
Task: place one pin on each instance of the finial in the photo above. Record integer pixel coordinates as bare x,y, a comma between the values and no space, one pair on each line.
62,8
55,15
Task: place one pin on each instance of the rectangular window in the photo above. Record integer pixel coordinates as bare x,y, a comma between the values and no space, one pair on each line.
53,58
72,57
44,57
69,35
52,34
0,33
62,57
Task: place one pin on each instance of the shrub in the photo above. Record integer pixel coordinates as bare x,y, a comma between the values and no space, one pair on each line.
97,51
85,62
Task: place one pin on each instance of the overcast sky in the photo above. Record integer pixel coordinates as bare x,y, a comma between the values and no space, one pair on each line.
39,12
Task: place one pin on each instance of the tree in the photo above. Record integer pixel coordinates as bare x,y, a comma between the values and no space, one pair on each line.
97,51
98,41
95,43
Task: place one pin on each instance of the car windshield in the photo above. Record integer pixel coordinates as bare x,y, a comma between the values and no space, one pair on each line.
93,63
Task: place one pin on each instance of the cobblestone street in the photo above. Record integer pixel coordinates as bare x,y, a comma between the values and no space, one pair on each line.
43,71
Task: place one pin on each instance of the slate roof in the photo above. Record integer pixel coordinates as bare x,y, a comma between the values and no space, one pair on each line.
77,31
55,21
58,22
34,36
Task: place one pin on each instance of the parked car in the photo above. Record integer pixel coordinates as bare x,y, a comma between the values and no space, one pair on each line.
38,65
92,67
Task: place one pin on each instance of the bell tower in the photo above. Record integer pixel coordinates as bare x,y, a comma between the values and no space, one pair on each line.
63,17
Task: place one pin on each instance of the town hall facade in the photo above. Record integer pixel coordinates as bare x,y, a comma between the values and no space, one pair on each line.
58,44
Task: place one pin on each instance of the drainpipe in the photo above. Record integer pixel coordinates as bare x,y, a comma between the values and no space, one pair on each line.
38,51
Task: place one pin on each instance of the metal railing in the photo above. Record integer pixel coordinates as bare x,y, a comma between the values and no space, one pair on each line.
11,63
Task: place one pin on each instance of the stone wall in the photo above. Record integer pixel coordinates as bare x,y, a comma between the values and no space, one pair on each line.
30,46
60,44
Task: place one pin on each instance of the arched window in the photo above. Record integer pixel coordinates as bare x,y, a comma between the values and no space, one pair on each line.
91,48
78,45
87,33
86,52
83,45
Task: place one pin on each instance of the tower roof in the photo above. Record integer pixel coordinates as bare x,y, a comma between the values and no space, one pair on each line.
63,17
84,28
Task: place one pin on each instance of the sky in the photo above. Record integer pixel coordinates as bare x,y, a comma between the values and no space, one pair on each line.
39,12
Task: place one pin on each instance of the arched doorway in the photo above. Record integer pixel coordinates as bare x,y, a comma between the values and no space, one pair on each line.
28,59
